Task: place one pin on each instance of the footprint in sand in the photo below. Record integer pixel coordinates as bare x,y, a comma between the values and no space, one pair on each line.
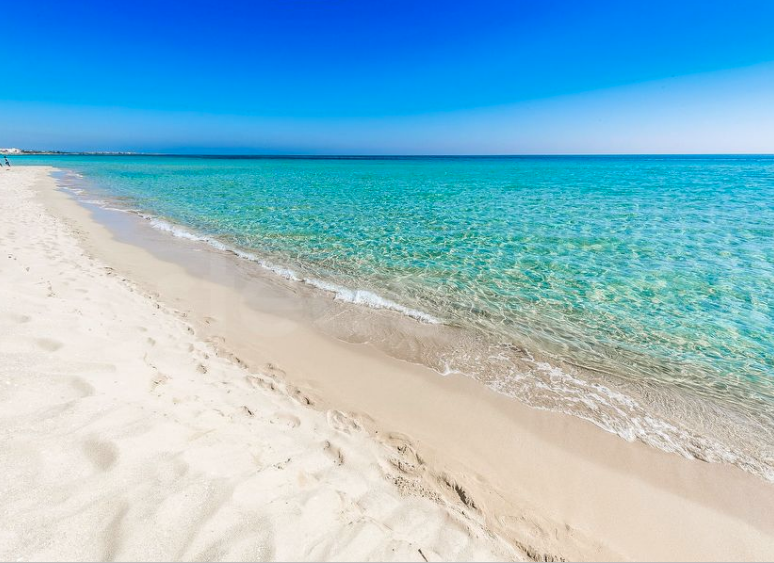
260,383
48,344
456,488
407,461
83,388
103,455
13,318
273,370
160,379
342,422
287,419
170,469
334,452
299,396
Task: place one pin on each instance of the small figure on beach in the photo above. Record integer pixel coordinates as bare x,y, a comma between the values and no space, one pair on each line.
8,164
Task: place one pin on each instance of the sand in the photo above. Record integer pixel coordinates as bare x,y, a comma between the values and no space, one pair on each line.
125,436
159,401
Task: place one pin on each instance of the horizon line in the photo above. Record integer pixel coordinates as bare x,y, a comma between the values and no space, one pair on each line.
34,152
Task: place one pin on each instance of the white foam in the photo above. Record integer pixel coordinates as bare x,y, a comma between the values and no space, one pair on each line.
97,202
370,299
355,296
180,232
620,414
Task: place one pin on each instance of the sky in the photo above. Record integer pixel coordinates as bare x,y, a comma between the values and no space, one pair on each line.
388,77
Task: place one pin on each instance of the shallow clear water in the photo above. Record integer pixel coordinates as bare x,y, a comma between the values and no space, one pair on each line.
637,292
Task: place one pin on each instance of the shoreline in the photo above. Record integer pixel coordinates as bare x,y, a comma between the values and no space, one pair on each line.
663,416
552,485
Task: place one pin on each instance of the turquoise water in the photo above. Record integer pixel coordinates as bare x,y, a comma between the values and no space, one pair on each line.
631,288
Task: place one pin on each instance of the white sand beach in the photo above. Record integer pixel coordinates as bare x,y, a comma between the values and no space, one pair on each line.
126,437
151,413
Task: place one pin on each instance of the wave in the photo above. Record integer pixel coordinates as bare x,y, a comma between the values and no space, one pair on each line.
370,299
620,414
340,293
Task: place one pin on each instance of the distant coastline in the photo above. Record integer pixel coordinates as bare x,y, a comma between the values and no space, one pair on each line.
301,156
20,152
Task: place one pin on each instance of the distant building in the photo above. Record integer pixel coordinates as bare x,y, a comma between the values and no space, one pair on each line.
10,151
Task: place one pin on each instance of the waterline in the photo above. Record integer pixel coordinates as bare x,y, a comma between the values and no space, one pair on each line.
655,330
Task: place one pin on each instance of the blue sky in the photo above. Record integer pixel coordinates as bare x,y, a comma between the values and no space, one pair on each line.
340,76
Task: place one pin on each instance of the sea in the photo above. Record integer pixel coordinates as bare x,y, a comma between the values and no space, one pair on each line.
635,292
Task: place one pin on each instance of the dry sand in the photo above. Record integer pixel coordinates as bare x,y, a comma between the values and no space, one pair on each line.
158,402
